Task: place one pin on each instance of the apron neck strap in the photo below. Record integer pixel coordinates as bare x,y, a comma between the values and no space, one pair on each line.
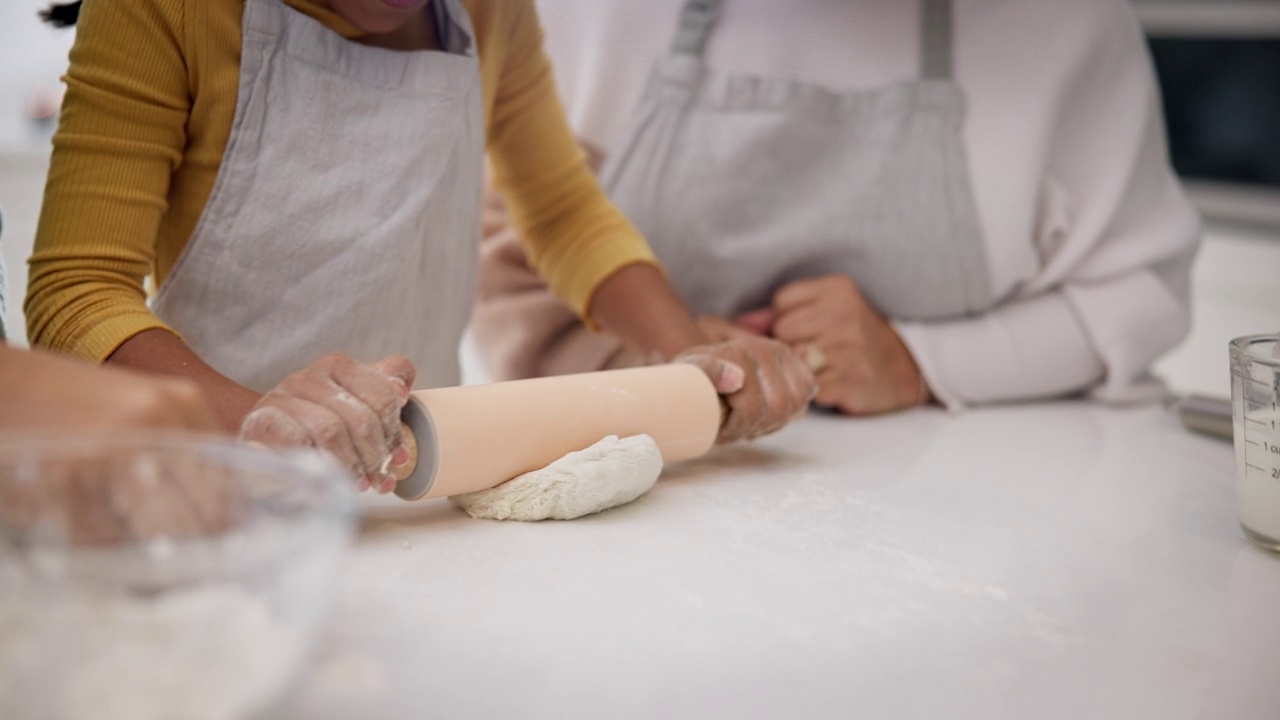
696,22
698,19
450,37
936,39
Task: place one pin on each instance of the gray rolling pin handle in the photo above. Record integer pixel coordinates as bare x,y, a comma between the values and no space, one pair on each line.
423,451
1206,415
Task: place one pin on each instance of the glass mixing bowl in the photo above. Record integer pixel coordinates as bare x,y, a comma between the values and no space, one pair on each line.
162,577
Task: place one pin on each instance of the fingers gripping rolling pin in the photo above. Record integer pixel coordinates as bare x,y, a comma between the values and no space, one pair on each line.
464,439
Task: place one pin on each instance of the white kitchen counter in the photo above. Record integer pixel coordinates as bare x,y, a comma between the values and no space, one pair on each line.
1040,562
1060,561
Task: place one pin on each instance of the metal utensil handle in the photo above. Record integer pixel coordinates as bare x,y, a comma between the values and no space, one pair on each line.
1206,415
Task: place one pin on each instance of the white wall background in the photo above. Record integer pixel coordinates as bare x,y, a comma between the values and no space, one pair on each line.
22,177
31,54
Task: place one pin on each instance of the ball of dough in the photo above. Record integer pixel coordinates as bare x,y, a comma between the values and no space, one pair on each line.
610,473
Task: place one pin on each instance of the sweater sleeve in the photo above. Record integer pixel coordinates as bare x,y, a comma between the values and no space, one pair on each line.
575,237
1117,238
120,135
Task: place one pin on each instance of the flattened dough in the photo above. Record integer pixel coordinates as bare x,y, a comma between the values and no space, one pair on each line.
610,473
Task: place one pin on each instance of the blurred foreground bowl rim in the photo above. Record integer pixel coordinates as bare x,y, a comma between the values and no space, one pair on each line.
306,465
67,439
49,443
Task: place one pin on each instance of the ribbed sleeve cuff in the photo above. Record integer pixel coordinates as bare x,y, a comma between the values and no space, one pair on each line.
577,283
104,338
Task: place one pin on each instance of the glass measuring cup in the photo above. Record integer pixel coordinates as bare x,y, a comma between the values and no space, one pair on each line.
1255,406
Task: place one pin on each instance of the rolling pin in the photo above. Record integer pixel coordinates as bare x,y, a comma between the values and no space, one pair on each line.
464,439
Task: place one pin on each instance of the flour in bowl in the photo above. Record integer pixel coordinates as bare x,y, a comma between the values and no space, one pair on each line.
610,473
202,653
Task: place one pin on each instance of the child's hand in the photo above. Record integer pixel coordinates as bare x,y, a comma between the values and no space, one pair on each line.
346,408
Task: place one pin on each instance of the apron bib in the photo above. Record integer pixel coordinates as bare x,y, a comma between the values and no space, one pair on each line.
743,184
345,212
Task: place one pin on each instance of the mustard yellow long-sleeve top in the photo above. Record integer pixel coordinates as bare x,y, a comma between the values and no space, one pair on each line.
151,93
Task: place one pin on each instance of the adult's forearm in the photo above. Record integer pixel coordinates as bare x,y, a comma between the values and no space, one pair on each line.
163,353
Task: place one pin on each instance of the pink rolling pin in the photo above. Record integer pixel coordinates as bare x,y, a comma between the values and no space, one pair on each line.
464,439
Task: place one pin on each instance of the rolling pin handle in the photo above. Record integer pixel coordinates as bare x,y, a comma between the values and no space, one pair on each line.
415,478
411,444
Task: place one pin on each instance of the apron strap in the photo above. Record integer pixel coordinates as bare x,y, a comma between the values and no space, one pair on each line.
698,18
449,35
936,40
696,21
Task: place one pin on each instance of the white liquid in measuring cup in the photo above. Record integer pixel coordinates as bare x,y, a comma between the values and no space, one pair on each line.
1258,473
1255,410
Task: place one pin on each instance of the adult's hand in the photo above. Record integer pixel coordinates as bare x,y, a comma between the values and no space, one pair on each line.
347,408
718,330
861,363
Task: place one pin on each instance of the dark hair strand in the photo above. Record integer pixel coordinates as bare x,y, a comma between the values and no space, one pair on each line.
62,15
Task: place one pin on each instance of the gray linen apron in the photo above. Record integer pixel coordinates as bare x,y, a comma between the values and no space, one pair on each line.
345,213
4,308
742,183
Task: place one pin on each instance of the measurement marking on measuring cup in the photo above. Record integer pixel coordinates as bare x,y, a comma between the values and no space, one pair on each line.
1256,422
1256,380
